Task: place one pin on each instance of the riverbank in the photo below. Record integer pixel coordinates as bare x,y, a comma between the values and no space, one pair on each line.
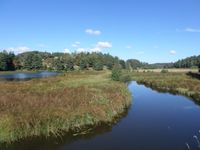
175,82
51,106
174,70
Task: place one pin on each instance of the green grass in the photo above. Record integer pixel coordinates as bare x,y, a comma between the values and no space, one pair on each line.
176,82
51,106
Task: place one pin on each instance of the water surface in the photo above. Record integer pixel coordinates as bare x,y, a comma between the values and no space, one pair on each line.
26,75
155,121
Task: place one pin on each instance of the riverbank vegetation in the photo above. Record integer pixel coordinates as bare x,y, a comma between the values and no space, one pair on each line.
54,105
176,82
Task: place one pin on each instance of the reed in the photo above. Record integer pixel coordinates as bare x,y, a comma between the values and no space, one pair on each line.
54,105
175,82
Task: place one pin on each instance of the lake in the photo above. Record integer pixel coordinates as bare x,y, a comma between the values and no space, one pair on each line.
155,121
26,75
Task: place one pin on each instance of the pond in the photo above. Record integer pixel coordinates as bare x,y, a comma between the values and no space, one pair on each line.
26,75
155,121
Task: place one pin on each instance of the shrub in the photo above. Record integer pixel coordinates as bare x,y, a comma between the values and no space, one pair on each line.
116,73
164,71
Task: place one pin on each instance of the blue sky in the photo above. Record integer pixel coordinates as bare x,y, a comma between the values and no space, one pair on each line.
148,30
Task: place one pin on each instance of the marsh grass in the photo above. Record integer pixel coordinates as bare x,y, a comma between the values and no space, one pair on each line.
54,105
175,82
173,70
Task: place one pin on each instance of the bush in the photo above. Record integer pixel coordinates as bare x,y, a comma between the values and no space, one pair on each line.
164,71
116,73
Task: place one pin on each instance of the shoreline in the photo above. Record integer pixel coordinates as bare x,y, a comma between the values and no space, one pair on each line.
193,96
177,83
51,106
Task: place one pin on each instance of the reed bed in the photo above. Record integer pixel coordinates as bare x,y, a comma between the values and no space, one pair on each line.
176,82
54,105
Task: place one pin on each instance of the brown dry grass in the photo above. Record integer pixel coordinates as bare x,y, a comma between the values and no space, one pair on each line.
177,82
51,105
181,70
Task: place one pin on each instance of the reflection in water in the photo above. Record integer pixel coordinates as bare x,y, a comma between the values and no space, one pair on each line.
55,143
171,91
26,76
155,121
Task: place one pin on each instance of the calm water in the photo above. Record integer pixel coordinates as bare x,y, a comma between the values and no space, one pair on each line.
155,121
27,76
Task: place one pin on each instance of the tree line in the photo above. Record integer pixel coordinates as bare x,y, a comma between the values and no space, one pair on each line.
188,62
36,60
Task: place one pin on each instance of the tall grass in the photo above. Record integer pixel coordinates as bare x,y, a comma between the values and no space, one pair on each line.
54,105
178,82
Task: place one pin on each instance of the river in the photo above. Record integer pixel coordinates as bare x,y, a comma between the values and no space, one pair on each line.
155,121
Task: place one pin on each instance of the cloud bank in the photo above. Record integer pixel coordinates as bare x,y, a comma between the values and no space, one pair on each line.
18,50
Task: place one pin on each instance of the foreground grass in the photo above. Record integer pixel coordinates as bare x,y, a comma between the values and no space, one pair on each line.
178,82
54,105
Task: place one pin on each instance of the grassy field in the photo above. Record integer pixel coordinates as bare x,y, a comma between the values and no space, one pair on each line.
177,82
51,106
184,70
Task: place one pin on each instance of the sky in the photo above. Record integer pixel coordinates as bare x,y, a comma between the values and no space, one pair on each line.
149,30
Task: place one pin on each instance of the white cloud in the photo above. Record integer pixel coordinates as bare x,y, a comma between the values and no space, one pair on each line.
103,45
100,46
128,46
172,52
93,32
97,48
67,50
18,50
76,44
192,30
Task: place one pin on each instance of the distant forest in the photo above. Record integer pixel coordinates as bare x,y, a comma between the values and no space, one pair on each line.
36,60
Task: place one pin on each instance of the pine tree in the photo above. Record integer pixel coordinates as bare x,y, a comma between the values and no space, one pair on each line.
3,62
83,64
6,61
98,65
